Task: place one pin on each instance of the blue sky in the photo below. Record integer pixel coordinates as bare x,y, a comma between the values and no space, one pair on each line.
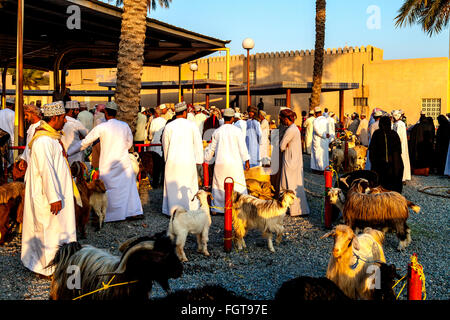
284,25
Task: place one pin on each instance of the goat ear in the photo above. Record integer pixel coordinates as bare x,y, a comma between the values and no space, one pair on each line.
356,244
145,245
328,234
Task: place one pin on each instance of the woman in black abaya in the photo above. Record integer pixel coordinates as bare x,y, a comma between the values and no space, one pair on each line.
385,152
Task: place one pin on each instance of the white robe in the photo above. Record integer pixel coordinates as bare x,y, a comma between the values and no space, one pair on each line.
309,133
292,170
252,140
331,128
200,120
242,124
320,144
363,132
400,128
183,150
7,117
264,145
447,165
230,152
191,116
141,122
48,181
372,128
74,131
30,133
87,119
115,168
156,131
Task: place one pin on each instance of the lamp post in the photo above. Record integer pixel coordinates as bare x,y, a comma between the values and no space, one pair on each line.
193,67
248,44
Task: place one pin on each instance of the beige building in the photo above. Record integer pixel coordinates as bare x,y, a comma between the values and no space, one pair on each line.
412,85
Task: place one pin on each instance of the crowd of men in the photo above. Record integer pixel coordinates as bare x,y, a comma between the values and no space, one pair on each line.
185,137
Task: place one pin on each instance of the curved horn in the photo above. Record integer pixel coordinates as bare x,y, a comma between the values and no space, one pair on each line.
328,234
145,245
125,244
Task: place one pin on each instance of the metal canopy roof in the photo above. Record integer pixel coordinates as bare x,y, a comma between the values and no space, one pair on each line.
95,44
185,84
278,88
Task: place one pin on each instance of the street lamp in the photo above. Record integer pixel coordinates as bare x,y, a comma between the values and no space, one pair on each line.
248,44
193,67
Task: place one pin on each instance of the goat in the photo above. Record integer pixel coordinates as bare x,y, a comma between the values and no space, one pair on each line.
388,274
196,222
152,165
307,289
351,256
206,294
144,260
337,159
93,195
260,190
346,180
361,153
265,215
12,197
385,211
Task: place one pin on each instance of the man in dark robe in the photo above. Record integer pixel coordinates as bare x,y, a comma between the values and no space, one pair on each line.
442,142
385,152
421,143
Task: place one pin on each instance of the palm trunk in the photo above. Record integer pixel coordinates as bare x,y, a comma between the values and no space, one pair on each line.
318,53
130,61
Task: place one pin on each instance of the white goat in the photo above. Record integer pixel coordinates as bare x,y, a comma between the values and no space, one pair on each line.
351,257
265,215
196,222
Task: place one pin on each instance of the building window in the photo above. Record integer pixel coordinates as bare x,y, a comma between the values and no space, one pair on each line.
219,76
280,102
252,77
431,107
360,102
231,75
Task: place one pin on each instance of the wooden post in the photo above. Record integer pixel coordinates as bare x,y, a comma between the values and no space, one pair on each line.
341,105
207,98
288,98
248,79
4,74
19,117
180,90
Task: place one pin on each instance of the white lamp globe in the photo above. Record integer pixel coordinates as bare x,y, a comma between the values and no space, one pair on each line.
193,67
248,43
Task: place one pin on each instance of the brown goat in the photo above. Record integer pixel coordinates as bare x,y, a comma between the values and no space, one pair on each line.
380,210
86,191
11,208
350,258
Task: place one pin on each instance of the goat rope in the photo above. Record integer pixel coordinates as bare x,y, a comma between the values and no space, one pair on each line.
424,190
106,287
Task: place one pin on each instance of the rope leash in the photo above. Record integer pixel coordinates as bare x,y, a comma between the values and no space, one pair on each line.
106,287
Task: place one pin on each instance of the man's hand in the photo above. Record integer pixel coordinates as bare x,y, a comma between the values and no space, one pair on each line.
55,207
247,165
328,135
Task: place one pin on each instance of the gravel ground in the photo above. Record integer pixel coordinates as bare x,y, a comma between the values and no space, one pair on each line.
255,272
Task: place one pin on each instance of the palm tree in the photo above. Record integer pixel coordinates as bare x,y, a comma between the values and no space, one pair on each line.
314,101
433,15
31,78
130,61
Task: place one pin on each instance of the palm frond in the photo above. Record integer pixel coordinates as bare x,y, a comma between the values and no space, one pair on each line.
432,15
